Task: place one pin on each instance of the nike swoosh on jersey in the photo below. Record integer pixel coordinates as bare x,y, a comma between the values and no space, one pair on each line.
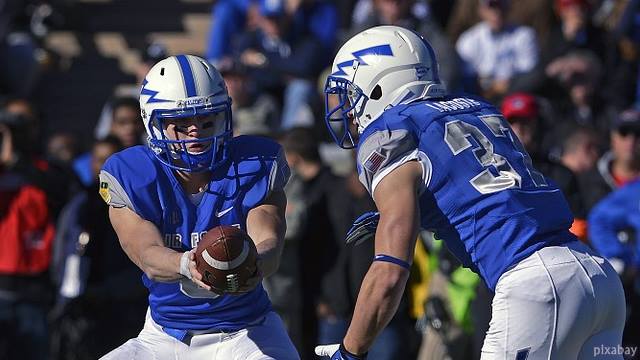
223,212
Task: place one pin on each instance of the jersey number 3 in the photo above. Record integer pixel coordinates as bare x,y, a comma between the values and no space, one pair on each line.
502,175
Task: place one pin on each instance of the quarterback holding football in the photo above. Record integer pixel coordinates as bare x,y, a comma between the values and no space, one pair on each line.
191,177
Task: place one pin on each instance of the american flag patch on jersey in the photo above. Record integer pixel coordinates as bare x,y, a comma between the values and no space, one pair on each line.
374,161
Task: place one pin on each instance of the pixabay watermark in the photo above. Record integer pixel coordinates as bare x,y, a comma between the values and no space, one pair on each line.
629,352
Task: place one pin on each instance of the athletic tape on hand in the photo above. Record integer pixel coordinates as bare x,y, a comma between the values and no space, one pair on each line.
184,265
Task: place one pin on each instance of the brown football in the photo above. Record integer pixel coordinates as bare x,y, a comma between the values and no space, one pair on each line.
226,258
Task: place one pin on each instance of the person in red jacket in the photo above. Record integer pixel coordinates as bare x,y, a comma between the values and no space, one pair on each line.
26,236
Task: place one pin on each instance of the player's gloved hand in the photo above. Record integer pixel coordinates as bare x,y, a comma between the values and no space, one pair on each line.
363,228
253,281
337,352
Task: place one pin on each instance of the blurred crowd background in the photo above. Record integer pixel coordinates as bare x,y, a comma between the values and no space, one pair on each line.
563,72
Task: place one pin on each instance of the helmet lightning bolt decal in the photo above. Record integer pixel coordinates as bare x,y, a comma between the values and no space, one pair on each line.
382,50
151,93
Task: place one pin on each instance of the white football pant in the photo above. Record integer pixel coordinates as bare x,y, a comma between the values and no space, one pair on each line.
562,302
267,340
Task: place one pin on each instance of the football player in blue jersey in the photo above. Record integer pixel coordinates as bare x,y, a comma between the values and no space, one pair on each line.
163,197
451,164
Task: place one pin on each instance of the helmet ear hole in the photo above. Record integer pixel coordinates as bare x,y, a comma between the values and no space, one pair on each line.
162,72
376,93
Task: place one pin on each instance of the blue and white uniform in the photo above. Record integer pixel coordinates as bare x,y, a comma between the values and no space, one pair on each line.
618,212
136,179
502,219
480,192
554,297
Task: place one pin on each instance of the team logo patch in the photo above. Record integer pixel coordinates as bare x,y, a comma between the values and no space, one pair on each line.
104,192
374,161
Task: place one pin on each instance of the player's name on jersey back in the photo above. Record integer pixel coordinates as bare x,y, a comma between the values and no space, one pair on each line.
453,104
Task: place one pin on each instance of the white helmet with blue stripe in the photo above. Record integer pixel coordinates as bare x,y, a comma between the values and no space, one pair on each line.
376,69
186,86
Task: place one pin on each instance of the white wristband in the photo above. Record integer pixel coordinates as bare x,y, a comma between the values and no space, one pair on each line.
184,265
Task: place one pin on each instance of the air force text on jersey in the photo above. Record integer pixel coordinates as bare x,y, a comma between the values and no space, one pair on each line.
174,241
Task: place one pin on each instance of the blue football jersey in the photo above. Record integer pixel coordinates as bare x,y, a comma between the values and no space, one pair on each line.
136,179
480,192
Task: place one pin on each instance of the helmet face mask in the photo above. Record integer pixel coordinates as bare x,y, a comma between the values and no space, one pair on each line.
373,71
176,150
341,100
178,92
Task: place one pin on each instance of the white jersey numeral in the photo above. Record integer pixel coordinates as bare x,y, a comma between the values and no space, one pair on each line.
458,135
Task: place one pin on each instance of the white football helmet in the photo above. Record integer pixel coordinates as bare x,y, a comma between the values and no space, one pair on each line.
377,69
186,86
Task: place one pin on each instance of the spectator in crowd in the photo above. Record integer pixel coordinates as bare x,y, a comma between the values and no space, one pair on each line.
233,17
623,22
322,195
573,31
55,178
23,107
100,302
494,52
403,13
387,12
150,54
537,14
125,125
464,15
614,230
618,166
229,18
522,112
284,55
627,27
62,148
578,75
580,149
254,112
363,10
579,152
27,232
19,65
